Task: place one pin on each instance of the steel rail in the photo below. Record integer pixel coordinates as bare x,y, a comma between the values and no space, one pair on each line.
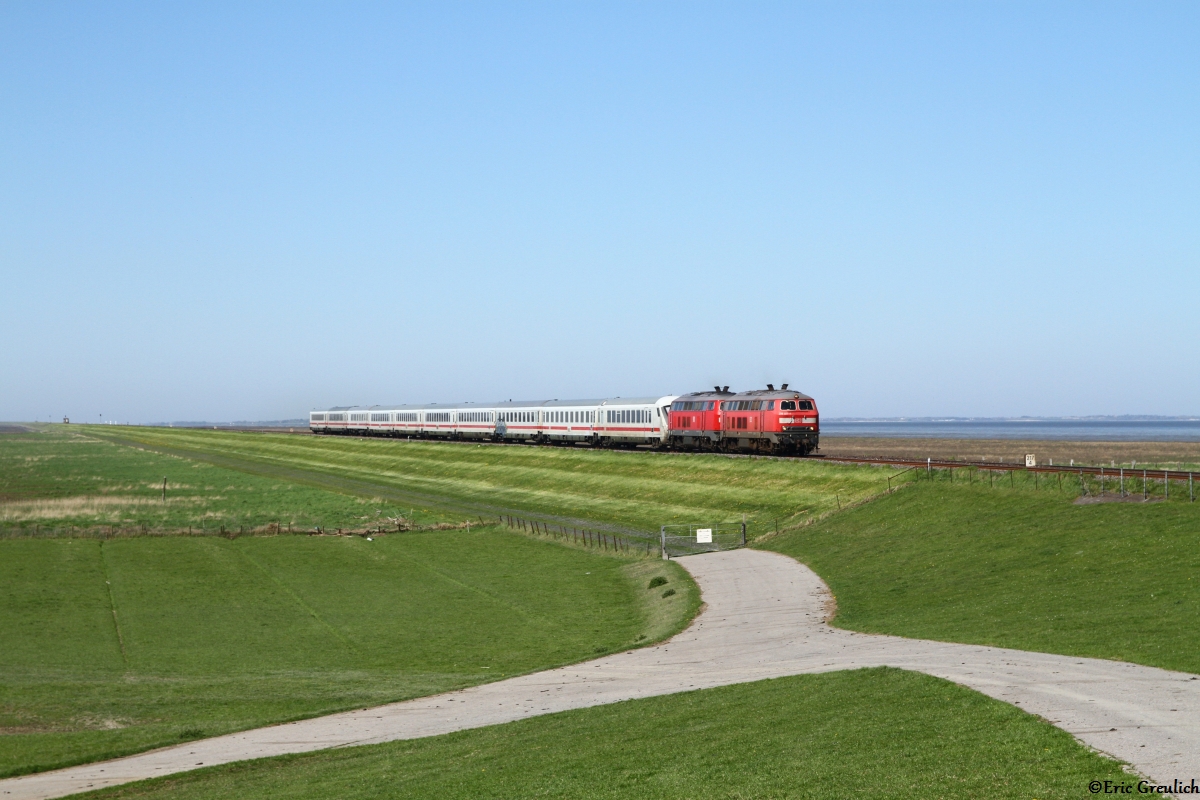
1001,466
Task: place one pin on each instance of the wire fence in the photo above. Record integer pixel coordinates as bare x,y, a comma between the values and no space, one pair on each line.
1087,482
584,537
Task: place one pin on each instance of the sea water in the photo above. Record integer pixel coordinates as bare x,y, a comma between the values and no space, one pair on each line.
1143,430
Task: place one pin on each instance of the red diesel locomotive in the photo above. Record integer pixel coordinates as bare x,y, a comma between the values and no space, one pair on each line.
779,422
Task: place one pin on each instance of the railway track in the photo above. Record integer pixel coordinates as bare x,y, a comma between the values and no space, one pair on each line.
928,463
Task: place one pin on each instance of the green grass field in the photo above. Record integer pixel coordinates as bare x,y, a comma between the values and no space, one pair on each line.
865,733
1020,568
636,490
116,646
62,480
213,634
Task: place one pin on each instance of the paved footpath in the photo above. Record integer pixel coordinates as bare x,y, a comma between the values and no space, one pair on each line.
764,619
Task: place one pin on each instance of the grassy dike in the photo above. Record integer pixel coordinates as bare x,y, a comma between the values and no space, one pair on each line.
636,490
1016,567
863,733
111,647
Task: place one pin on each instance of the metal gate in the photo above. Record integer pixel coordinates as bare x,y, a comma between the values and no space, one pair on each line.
687,540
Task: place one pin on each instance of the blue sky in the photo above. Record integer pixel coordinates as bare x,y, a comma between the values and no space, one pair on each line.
244,211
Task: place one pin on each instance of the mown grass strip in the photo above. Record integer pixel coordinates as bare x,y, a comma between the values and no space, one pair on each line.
112,604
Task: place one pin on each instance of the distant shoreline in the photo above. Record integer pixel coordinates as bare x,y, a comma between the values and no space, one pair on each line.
1084,429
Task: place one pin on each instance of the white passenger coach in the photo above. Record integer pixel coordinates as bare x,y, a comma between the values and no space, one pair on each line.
618,421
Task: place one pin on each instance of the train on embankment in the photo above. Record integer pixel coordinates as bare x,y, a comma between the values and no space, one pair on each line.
770,421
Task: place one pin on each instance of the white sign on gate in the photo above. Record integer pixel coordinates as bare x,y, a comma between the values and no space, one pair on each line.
704,536
1030,460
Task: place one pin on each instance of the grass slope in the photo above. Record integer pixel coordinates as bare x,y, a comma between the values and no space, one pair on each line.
866,733
60,479
1016,568
634,489
116,646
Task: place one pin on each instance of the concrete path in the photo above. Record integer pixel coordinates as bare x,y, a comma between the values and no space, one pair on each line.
765,619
